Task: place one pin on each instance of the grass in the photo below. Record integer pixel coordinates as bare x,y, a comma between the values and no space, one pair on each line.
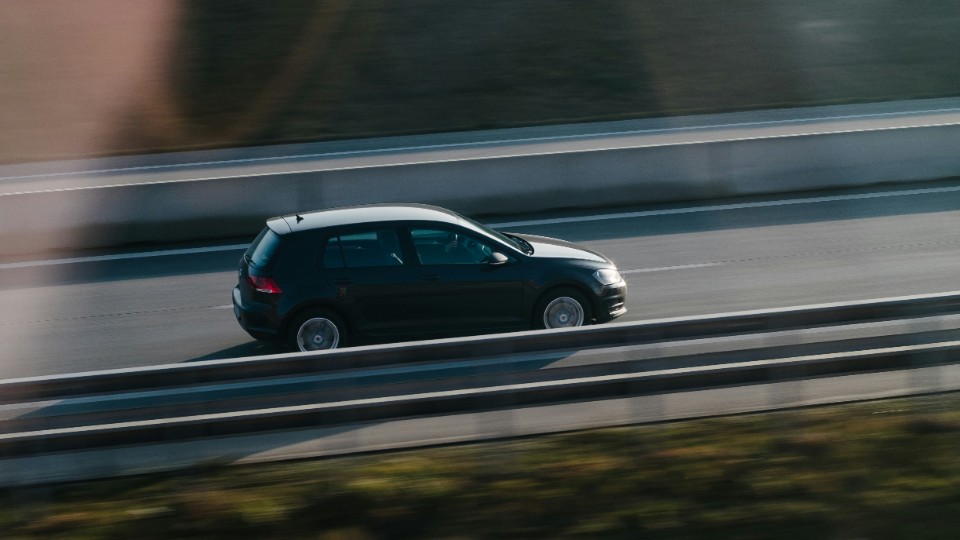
879,470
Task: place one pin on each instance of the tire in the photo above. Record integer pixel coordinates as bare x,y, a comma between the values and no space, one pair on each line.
562,308
317,330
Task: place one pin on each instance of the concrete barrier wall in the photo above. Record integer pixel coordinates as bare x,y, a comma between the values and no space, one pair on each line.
237,206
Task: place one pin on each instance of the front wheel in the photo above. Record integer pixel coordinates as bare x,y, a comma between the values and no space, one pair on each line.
563,308
317,330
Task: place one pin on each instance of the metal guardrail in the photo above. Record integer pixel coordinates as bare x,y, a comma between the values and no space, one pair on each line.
469,399
153,414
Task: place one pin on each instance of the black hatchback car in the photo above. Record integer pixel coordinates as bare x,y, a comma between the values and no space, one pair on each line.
379,273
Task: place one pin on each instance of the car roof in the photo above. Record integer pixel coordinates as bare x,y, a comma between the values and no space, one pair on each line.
352,215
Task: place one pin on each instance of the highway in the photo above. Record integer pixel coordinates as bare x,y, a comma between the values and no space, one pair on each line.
91,311
215,194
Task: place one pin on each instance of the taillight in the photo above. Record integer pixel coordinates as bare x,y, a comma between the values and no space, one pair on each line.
265,285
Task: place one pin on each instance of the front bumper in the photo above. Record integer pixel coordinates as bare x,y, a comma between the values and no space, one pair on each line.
612,302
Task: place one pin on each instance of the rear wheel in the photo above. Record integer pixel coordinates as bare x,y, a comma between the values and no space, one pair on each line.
317,330
562,308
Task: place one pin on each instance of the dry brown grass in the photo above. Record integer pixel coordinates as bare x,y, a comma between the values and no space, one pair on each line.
876,470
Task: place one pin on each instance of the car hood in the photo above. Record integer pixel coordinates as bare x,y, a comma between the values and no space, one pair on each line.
552,248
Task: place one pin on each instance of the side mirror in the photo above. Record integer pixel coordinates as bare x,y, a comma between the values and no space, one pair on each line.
497,259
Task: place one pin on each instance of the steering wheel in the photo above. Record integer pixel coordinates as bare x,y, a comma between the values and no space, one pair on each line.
479,252
451,243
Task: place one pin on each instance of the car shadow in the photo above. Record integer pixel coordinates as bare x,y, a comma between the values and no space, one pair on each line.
251,348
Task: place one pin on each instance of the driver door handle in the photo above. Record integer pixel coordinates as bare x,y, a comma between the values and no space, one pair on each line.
430,277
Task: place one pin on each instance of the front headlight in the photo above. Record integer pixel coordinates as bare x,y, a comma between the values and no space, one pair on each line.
607,276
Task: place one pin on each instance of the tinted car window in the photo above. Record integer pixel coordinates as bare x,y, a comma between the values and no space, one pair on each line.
439,246
362,250
263,248
496,234
332,254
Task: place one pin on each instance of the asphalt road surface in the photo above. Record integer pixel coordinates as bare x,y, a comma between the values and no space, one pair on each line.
116,310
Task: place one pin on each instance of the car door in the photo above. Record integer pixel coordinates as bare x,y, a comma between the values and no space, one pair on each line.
372,278
460,292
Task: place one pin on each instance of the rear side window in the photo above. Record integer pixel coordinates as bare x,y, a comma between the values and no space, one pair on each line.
262,249
333,254
363,250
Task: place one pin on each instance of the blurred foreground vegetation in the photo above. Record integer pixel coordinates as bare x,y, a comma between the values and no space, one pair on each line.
880,470
224,73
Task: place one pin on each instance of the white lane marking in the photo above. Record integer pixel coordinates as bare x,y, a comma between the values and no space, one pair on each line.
346,153
726,207
226,306
534,222
669,268
121,256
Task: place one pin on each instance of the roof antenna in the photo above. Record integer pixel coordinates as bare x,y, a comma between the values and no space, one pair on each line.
299,218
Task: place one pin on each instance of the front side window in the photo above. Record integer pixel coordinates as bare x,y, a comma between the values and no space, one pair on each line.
441,246
363,250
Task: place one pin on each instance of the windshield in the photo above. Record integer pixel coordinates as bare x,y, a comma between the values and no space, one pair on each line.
510,241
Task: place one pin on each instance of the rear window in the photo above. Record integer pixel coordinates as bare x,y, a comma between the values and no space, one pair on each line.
263,248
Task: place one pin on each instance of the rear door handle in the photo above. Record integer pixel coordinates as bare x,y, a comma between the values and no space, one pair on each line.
430,277
343,281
